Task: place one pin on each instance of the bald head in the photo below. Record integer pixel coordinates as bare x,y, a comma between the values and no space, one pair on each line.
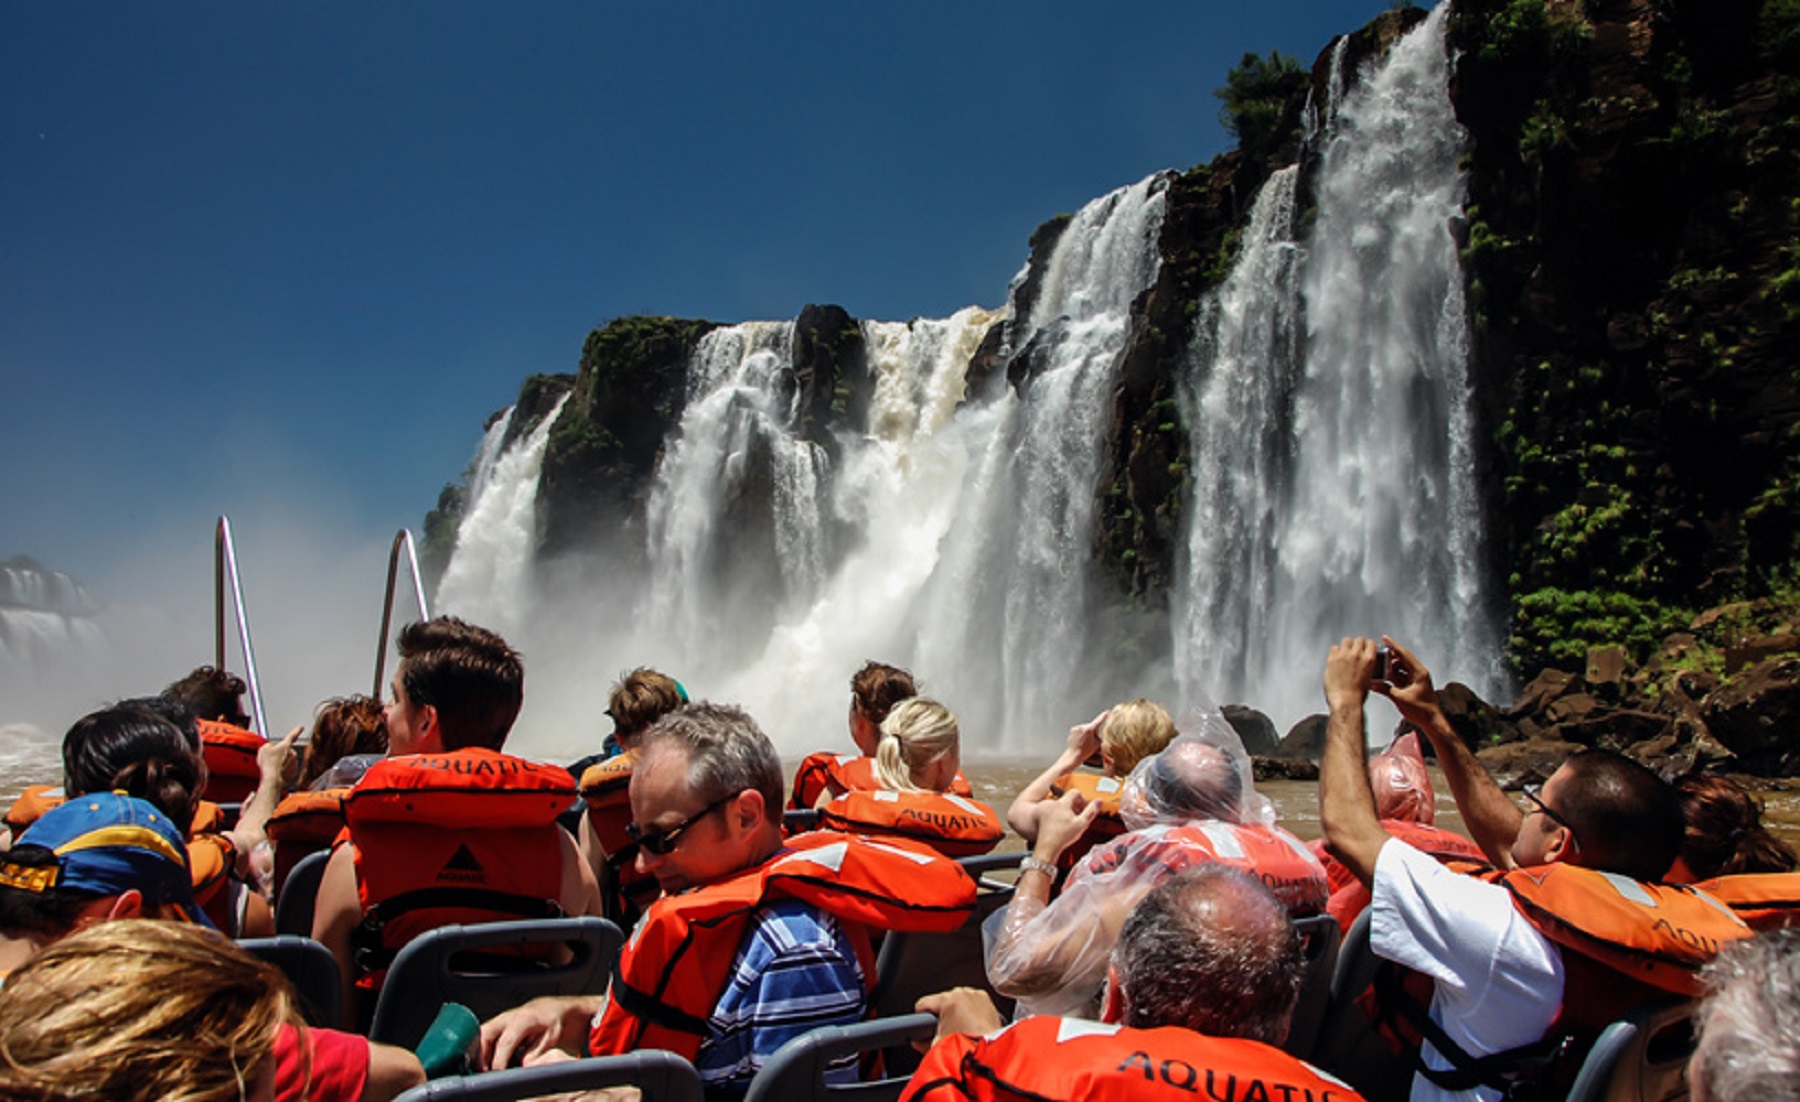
1211,950
1190,779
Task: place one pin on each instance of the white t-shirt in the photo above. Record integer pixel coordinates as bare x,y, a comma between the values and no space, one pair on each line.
1499,981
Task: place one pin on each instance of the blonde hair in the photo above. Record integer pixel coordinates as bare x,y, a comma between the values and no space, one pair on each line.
1132,732
916,732
140,1010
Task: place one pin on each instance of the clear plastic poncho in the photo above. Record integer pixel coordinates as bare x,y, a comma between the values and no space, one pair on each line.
1053,958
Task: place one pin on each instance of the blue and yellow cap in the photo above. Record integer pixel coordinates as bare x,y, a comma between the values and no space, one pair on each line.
109,843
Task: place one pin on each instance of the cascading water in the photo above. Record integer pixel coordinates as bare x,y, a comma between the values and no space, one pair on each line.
1237,401
1038,537
45,618
489,577
1362,517
951,536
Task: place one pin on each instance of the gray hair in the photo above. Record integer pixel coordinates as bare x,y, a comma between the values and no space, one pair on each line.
726,752
1749,1025
1212,950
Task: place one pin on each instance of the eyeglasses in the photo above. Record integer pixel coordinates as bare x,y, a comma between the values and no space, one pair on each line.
662,842
1531,792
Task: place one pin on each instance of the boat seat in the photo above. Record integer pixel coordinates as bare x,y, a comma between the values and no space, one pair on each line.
660,1076
1320,936
426,973
910,965
1346,1044
310,967
796,1072
1642,1057
299,893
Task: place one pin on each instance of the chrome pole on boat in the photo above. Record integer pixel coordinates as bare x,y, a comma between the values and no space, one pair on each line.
225,568
402,540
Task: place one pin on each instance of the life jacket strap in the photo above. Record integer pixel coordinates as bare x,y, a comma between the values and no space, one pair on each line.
646,1007
1508,1071
371,955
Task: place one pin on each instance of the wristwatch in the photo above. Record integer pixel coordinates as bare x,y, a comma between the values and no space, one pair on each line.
1032,862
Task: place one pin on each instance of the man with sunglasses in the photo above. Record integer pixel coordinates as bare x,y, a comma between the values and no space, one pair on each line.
755,940
1498,947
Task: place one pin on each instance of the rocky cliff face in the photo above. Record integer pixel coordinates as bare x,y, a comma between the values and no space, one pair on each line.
1632,266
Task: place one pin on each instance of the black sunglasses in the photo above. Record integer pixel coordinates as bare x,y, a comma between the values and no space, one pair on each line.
662,842
1530,792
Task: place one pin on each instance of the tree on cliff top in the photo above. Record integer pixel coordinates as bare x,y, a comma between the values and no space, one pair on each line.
1255,96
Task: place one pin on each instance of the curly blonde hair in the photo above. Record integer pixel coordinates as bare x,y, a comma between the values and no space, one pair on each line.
1133,731
139,1010
916,732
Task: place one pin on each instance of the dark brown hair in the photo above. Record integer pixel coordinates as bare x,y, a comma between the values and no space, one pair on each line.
639,699
877,688
213,694
1725,834
469,674
1626,819
343,725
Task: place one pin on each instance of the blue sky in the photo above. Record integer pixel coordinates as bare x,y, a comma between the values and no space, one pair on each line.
283,259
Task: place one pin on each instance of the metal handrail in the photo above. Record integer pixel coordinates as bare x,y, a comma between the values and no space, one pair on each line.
225,566
402,539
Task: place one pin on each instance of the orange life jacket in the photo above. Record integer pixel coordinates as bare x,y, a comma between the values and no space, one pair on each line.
841,773
1100,789
1350,896
302,824
461,837
1660,934
230,761
1624,943
953,825
31,805
678,959
606,790
1272,855
1764,900
1047,1059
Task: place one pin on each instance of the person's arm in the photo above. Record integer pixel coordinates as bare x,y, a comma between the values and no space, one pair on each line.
580,892
392,1072
1353,833
275,760
1083,743
525,1033
336,912
1493,820
1042,946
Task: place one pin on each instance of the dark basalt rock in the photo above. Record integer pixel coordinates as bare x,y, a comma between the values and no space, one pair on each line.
1256,729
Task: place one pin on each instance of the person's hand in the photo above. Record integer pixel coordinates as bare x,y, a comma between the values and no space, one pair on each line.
959,1010
277,761
1061,823
1348,670
1084,739
1408,685
532,1031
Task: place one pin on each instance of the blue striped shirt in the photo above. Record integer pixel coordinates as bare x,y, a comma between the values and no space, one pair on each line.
795,971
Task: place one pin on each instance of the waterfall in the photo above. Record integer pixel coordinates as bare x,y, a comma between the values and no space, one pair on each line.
488,579
1237,396
45,618
1356,510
